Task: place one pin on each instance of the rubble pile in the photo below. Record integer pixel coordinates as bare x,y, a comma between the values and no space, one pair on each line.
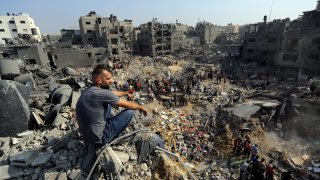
201,101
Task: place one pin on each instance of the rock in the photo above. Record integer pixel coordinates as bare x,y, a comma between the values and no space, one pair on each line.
74,174
63,164
25,133
61,144
23,158
112,162
8,172
14,141
144,167
51,175
14,108
124,157
42,159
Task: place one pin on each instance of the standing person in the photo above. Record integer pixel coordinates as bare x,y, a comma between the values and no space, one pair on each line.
254,151
270,170
247,149
261,170
93,109
244,168
287,175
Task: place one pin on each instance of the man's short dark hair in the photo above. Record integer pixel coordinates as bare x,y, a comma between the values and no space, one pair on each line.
98,71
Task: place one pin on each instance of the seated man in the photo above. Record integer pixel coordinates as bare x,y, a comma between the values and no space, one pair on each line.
93,110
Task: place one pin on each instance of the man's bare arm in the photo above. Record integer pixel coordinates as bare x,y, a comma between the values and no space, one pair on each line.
122,93
131,105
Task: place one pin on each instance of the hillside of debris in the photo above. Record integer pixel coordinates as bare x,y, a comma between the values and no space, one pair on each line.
197,107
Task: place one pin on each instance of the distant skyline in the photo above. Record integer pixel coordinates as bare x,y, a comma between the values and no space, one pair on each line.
53,15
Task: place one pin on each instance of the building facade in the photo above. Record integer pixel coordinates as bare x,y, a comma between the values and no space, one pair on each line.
87,26
107,32
261,43
299,52
11,26
207,32
155,39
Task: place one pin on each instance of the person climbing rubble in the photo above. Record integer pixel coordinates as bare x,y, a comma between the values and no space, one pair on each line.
93,109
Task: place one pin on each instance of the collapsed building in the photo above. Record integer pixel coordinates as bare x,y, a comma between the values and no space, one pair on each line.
194,114
298,55
292,46
107,32
11,26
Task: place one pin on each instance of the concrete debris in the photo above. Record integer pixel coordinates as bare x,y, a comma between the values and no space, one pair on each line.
42,158
9,172
205,106
244,110
14,111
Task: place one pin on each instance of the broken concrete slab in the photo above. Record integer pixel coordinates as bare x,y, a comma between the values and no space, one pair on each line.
8,172
14,108
74,174
51,175
112,162
26,133
299,160
23,156
244,110
43,158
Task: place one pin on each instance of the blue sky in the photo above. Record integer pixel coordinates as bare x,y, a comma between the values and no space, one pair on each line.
53,15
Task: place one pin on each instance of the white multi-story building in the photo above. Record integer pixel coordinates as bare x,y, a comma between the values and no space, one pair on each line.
12,25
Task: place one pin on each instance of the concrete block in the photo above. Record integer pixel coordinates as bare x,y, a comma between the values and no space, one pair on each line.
42,159
51,175
74,174
23,156
14,108
8,172
112,162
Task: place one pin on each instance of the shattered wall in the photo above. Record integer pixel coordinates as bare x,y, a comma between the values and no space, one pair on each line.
72,58
262,42
87,28
34,54
14,108
155,39
299,48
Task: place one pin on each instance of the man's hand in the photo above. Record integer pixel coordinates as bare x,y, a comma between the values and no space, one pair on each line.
144,111
130,96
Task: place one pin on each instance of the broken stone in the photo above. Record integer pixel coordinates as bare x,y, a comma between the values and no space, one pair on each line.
25,133
244,110
124,157
14,141
112,162
62,143
14,108
37,118
63,164
74,174
24,156
144,167
8,172
51,175
42,159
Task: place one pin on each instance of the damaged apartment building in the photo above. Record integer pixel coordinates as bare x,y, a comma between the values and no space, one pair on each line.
208,32
292,46
13,26
110,33
262,40
158,39
299,52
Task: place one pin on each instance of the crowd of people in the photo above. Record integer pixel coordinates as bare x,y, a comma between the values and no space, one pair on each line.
255,167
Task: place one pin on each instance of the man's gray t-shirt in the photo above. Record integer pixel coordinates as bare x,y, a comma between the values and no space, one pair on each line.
91,109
